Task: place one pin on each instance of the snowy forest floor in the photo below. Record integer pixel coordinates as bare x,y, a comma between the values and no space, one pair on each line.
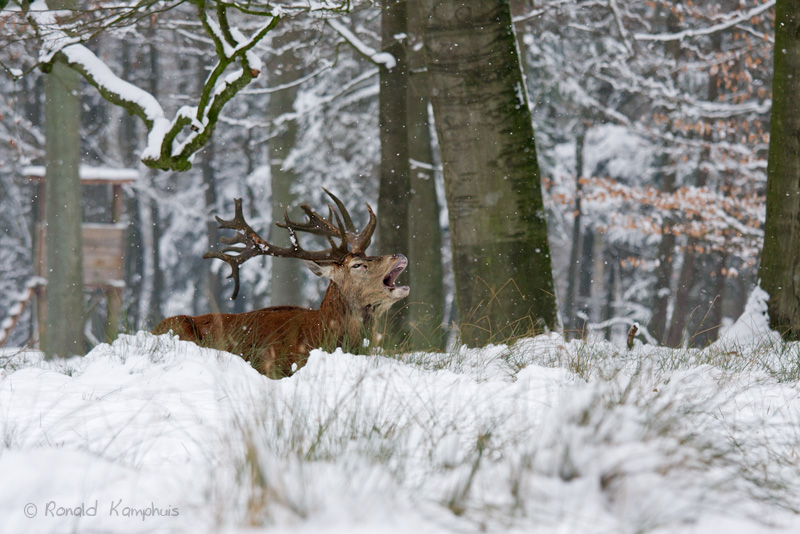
151,434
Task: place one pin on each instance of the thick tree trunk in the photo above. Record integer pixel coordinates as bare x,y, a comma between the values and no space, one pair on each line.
501,255
394,189
65,313
780,258
426,311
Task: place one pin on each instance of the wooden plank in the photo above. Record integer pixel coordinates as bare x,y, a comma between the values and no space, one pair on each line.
89,175
103,248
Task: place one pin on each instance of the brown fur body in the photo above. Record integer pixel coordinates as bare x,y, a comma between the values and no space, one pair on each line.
275,339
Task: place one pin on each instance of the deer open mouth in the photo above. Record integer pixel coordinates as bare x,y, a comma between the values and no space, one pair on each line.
390,279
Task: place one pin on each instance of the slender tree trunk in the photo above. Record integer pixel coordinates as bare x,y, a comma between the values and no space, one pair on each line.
394,188
780,257
685,284
710,312
213,287
689,268
65,313
286,280
501,255
586,277
612,264
157,286
662,293
134,262
570,306
426,311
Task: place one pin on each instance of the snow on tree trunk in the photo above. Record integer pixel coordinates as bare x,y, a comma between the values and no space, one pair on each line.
501,255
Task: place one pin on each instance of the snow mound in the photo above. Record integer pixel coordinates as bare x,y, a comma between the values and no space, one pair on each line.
752,324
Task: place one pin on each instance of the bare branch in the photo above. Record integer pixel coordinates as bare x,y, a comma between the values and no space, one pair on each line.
680,36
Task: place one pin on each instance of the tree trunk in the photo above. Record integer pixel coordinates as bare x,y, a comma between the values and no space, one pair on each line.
612,264
570,306
658,322
710,320
286,279
157,285
501,256
780,257
134,261
685,283
426,311
689,268
586,279
65,314
394,188
212,286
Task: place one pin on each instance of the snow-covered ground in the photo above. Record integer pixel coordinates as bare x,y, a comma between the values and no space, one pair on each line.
151,434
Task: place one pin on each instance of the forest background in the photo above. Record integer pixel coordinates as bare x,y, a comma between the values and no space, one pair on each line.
651,122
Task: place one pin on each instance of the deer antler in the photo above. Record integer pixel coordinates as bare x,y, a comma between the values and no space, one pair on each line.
255,245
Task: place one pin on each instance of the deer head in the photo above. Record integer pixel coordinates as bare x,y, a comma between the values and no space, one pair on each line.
366,283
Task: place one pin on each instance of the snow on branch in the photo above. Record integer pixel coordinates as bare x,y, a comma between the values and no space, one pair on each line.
171,143
379,58
680,36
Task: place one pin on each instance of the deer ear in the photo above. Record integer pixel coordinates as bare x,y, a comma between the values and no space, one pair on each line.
319,270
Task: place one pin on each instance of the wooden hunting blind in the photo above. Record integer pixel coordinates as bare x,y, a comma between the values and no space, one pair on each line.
103,242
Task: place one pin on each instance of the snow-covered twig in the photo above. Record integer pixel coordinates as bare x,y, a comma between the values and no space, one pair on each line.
379,58
680,36
164,148
623,33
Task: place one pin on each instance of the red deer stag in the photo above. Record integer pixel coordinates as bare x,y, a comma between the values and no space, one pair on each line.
362,288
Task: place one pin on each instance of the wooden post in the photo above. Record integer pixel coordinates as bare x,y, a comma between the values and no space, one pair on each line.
116,203
113,306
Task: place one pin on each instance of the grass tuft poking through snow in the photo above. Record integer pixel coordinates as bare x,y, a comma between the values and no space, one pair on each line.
538,435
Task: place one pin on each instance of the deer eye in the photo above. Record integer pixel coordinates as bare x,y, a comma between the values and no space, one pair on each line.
359,266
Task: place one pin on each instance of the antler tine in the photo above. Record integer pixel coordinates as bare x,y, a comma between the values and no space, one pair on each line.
348,222
238,222
316,223
342,231
364,237
358,240
234,262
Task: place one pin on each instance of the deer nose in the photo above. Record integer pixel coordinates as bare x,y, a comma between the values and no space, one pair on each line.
399,261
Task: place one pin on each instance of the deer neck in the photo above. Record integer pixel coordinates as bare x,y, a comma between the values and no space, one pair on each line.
349,323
